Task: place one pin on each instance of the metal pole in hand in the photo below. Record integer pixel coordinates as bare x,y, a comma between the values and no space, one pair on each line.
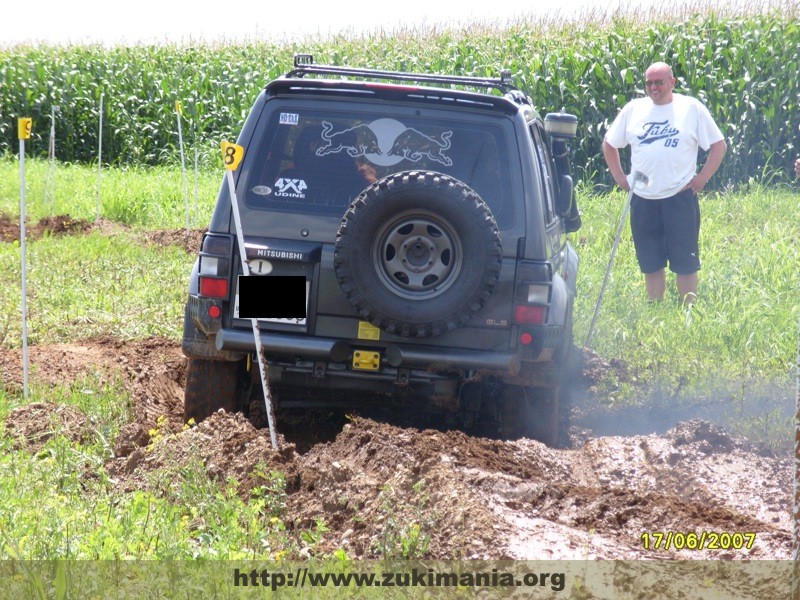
638,176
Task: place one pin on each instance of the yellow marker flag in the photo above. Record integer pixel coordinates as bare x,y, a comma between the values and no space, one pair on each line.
232,155
24,127
177,106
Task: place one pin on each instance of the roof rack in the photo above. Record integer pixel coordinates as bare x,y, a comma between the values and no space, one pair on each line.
304,65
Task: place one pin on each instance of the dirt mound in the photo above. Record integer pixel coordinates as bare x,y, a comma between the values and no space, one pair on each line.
384,490
67,225
54,225
190,241
31,426
225,445
152,370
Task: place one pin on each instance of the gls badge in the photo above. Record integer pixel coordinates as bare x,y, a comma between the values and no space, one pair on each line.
290,188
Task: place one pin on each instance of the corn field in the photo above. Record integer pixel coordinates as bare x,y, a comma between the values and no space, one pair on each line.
744,65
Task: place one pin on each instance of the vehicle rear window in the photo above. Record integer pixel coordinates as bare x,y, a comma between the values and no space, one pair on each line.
323,161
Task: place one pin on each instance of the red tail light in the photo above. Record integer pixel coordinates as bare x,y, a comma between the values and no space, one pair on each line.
212,287
529,315
214,269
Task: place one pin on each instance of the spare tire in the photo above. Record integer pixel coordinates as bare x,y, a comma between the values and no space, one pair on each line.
418,253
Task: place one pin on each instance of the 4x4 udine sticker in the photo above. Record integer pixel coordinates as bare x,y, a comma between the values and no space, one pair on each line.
290,188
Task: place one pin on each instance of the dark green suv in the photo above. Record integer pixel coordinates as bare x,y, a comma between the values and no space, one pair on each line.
414,229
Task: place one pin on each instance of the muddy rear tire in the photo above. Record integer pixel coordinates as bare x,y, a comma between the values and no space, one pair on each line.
210,385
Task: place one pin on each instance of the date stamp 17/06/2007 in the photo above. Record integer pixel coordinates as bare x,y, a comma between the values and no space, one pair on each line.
705,540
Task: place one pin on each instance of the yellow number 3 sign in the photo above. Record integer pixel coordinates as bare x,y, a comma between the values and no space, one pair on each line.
24,126
232,155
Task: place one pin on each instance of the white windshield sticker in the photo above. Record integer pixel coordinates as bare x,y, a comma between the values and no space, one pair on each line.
262,190
290,118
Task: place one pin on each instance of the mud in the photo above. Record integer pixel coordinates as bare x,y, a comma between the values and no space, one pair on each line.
471,497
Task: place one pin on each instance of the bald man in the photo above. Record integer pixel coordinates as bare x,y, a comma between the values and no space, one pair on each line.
664,131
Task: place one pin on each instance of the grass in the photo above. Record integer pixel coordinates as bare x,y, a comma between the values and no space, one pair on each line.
80,286
150,198
95,284
110,284
744,323
733,352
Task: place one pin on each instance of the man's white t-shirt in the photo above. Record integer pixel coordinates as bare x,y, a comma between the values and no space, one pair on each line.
664,140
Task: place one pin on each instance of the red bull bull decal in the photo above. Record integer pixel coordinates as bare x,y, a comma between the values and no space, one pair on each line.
385,142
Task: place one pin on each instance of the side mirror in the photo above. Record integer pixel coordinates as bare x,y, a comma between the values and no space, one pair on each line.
567,206
562,127
564,196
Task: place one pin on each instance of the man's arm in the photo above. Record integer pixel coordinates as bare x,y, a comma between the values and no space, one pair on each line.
797,168
715,155
614,163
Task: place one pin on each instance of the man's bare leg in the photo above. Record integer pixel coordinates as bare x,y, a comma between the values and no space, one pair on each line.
687,287
656,283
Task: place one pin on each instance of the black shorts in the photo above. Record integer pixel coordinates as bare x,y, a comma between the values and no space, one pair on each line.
667,231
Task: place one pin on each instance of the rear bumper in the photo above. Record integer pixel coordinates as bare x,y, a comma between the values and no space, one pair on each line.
398,356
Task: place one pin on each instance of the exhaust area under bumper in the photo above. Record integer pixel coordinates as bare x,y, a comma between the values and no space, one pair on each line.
430,358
